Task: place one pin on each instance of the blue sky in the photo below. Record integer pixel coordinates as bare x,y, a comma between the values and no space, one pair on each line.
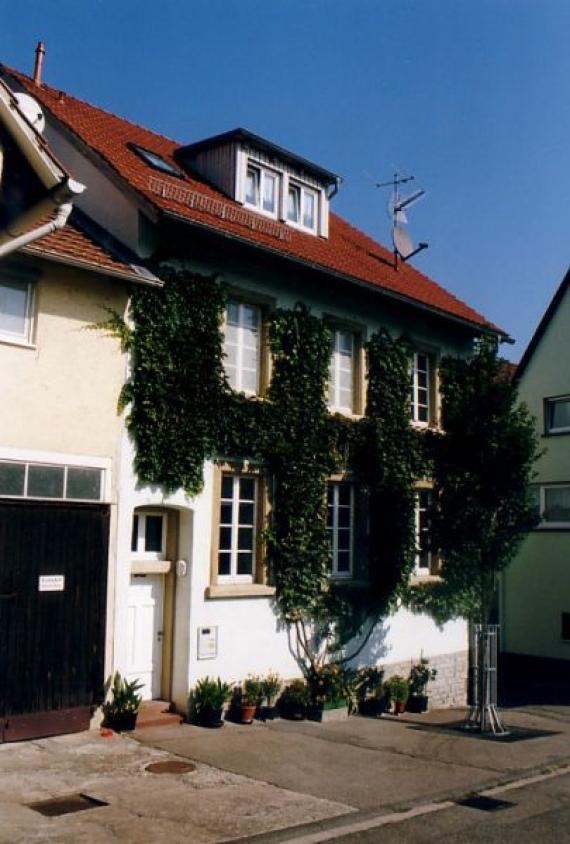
469,96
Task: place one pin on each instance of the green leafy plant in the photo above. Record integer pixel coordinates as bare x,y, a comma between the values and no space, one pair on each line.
420,675
209,695
251,690
271,685
368,682
124,697
329,682
295,693
397,688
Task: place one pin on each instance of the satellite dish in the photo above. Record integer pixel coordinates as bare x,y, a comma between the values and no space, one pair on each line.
402,241
31,110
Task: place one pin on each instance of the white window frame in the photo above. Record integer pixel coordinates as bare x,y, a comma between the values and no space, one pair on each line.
550,402
263,172
233,576
335,370
304,191
333,530
238,386
140,553
542,489
415,404
421,571
24,338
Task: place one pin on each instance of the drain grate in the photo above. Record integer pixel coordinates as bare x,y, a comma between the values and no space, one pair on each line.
171,767
65,805
485,804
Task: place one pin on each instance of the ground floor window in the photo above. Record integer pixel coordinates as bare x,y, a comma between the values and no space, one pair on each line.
238,527
340,527
552,504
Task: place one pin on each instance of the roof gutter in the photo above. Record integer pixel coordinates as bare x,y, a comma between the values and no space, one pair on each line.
60,187
483,329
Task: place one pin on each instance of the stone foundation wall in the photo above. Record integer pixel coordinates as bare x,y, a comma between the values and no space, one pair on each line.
449,687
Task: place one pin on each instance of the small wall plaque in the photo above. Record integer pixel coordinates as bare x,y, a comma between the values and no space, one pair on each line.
51,583
207,642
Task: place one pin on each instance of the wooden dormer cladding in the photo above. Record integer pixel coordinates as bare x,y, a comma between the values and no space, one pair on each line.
301,189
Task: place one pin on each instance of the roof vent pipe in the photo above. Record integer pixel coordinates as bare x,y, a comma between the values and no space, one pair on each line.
40,53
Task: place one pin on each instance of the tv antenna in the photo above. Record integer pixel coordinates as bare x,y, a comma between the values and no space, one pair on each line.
397,204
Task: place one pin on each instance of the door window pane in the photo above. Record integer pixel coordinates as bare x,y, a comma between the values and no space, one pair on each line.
153,533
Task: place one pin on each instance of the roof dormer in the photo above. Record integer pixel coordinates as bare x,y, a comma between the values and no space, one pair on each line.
265,178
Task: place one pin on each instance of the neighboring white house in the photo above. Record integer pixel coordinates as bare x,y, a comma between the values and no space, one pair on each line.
189,599
535,605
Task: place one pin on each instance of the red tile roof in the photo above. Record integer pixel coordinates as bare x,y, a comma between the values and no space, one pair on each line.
347,252
75,244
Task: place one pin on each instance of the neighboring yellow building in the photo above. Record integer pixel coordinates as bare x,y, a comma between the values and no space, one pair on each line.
536,587
60,436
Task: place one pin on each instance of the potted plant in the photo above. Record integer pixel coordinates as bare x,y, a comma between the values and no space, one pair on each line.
329,687
294,700
251,695
270,688
207,700
398,689
420,676
369,690
120,712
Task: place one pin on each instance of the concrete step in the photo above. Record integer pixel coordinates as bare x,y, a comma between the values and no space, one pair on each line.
157,713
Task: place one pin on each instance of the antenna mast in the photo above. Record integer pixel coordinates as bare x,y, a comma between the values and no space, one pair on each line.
403,246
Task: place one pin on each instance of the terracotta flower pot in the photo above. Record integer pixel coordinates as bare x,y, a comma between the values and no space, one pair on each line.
248,712
399,707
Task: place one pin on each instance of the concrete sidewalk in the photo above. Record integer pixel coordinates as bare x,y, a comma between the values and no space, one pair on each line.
259,779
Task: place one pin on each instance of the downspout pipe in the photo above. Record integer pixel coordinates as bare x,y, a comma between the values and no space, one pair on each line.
58,222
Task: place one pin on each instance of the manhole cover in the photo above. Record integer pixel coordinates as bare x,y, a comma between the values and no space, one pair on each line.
66,804
171,767
486,804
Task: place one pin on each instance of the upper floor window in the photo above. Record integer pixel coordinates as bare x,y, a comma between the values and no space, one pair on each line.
148,538
237,538
302,206
42,480
557,415
420,388
553,505
262,189
340,527
423,552
16,299
341,373
242,341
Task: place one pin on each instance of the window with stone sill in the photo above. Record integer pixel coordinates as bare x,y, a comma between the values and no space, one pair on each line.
557,415
16,310
344,372
242,346
340,528
238,531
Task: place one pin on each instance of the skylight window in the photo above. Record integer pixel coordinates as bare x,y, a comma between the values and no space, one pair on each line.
156,161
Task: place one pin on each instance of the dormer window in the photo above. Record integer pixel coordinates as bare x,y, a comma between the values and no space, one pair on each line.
262,189
302,206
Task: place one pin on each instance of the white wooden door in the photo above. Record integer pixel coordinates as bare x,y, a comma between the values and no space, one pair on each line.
145,632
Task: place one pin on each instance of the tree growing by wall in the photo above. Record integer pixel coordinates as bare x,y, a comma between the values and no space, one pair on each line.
482,467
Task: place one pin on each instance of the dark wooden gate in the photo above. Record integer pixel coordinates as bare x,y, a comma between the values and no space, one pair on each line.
51,638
